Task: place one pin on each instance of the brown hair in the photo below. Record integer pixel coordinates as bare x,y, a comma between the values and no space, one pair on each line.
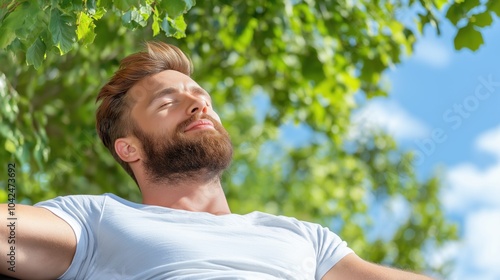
113,114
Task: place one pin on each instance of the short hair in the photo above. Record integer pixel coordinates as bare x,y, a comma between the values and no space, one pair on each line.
113,119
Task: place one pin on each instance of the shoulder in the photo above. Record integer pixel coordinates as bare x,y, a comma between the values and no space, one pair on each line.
81,200
68,199
329,248
78,207
291,223
262,217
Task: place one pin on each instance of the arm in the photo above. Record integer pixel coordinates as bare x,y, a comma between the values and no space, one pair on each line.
42,243
353,267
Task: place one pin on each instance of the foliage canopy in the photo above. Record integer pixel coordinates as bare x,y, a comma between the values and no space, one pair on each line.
267,65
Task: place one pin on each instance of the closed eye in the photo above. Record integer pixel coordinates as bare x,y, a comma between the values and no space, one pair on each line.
164,105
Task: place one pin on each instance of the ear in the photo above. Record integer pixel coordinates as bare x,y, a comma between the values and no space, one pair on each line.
127,149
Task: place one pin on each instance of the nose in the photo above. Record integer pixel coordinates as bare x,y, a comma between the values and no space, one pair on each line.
197,105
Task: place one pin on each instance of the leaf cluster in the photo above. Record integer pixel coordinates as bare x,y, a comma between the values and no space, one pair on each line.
37,27
470,17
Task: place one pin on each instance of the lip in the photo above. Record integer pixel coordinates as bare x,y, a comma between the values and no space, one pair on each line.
199,124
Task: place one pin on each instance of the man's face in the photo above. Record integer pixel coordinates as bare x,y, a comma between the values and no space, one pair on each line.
180,133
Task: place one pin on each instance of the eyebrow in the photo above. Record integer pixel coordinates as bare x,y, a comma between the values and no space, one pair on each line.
198,90
161,93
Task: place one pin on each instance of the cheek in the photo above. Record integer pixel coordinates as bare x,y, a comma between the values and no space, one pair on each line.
158,130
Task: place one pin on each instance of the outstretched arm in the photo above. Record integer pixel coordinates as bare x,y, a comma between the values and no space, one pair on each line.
353,267
39,244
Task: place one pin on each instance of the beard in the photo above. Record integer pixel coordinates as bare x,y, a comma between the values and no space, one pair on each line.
181,157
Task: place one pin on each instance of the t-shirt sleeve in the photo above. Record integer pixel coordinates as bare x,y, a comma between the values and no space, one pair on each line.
330,248
82,213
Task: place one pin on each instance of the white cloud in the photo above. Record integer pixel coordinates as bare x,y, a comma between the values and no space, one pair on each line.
433,53
389,116
474,193
470,187
490,141
479,252
482,231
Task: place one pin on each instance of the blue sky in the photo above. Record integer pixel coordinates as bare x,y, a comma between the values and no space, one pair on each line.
445,105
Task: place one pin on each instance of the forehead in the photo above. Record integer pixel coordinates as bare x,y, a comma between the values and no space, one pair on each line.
144,90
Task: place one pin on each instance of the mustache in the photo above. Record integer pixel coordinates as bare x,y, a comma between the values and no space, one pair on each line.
182,126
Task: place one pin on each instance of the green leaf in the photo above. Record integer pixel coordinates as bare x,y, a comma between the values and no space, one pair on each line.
99,13
190,4
454,13
13,22
174,8
167,28
482,19
132,19
468,37
156,22
8,35
145,12
494,6
423,20
106,4
33,24
36,53
91,6
136,17
127,18
174,28
180,26
62,30
85,29
125,5
440,3
460,10
468,5
70,5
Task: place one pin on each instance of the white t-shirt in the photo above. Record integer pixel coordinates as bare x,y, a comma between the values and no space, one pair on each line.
119,239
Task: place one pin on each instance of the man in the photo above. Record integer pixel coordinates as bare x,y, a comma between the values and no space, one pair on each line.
160,126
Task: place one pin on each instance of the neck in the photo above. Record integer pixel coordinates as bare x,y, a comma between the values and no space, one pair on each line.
191,193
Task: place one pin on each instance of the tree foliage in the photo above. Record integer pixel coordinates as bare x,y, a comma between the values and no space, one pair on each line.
266,65
37,26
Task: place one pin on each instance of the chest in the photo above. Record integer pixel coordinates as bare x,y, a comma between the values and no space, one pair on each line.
158,241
